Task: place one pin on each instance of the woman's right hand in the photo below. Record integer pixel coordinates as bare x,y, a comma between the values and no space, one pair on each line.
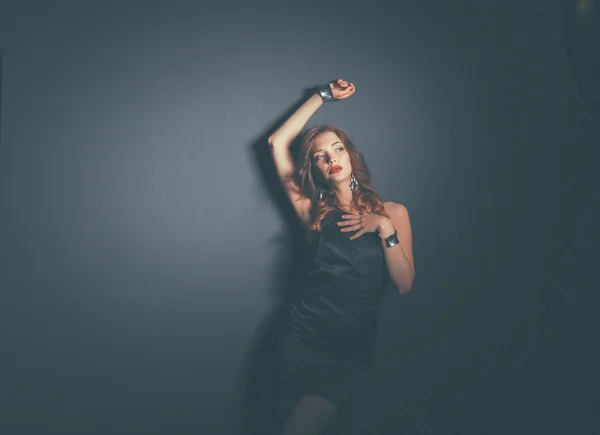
342,89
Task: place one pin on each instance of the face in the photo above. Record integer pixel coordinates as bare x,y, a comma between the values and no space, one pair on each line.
327,152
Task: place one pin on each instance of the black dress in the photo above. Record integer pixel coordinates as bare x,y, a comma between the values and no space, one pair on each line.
326,336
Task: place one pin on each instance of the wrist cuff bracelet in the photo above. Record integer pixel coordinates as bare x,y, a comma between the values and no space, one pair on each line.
325,93
392,240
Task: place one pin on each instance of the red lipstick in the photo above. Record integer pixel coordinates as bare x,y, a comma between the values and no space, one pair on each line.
335,169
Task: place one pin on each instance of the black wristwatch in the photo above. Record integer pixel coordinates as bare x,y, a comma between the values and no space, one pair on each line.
392,240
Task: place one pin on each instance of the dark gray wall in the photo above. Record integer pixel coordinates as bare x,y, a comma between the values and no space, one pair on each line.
145,242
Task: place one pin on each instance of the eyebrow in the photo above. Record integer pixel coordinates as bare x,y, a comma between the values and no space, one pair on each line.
336,142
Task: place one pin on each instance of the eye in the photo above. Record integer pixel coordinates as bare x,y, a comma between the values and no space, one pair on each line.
319,156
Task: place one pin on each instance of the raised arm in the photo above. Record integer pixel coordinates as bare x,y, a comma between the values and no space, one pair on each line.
281,140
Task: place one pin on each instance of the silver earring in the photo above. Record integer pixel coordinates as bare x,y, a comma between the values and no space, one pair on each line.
353,183
318,194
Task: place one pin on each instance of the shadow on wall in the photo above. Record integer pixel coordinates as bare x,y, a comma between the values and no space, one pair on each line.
257,411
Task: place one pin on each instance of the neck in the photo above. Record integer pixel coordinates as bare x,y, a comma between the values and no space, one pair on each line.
347,206
343,195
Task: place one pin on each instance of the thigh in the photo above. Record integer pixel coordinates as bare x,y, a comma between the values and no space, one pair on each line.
312,415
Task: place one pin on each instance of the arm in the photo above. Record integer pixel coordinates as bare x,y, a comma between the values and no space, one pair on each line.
399,258
283,137
280,142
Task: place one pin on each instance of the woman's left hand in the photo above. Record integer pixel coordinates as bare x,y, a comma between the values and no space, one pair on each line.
365,223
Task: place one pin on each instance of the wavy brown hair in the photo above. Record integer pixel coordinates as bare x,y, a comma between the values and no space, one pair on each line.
365,199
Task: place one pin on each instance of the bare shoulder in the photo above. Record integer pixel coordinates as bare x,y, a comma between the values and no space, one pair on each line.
393,208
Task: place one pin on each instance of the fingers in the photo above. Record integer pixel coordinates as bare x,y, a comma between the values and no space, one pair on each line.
343,89
344,84
357,235
349,223
347,91
350,220
352,228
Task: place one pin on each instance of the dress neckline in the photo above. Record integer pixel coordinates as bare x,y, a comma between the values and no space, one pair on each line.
344,211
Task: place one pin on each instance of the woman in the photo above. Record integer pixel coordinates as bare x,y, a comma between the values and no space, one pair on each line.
358,242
